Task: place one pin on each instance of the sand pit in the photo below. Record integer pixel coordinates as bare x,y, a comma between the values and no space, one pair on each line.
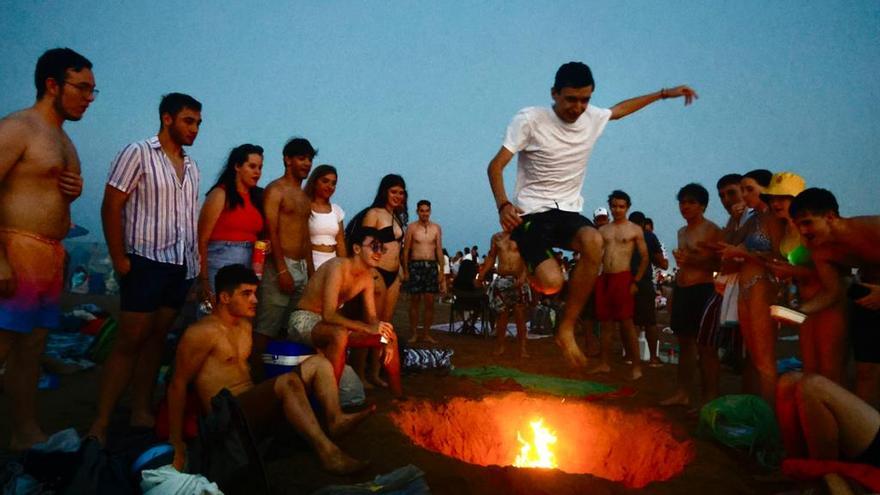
633,448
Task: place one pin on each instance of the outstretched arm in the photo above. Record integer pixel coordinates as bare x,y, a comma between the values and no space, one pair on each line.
632,105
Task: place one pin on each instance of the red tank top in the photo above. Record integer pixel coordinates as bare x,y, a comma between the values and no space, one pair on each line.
241,224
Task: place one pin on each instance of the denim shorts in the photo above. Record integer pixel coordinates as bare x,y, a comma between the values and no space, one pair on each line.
222,253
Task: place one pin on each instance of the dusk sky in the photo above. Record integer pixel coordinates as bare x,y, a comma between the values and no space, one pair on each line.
427,90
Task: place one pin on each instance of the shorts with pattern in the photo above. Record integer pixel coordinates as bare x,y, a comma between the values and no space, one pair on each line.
423,277
38,268
301,324
274,307
506,293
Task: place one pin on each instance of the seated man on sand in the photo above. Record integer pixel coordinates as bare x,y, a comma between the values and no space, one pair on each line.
319,323
509,292
213,355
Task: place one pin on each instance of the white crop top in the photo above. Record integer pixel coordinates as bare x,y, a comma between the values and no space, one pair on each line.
323,227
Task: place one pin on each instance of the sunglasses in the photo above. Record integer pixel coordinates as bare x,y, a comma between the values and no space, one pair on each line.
377,246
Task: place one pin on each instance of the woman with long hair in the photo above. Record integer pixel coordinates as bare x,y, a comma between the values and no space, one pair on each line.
230,221
387,214
758,288
325,223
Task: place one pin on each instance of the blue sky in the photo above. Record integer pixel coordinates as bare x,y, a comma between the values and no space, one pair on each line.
427,90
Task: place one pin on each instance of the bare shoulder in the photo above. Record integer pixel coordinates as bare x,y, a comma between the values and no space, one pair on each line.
634,229
200,334
17,126
499,237
373,217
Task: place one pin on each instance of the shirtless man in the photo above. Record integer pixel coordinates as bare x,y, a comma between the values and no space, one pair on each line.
39,178
318,322
286,208
694,286
617,286
835,243
213,355
554,145
422,269
509,292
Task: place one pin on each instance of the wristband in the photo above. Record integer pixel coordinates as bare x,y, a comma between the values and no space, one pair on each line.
663,94
501,207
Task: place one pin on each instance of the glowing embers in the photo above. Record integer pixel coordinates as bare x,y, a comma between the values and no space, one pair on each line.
537,453
633,448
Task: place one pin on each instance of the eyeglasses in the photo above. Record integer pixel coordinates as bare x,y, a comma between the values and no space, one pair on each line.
377,246
85,89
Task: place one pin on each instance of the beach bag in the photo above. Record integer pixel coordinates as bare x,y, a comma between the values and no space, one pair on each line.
103,343
743,421
426,359
168,481
226,448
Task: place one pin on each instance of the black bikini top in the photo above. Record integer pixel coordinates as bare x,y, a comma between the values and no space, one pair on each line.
386,234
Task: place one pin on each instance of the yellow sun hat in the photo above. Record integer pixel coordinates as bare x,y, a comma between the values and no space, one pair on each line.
785,184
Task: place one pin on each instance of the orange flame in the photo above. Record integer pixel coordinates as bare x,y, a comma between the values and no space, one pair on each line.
538,453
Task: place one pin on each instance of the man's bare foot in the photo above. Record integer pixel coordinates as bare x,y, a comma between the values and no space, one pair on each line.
498,351
414,339
345,422
523,353
655,362
27,438
570,351
142,420
367,385
635,374
338,462
429,339
378,381
680,398
598,368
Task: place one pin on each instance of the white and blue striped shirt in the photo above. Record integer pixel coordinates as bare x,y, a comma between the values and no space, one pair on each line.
161,214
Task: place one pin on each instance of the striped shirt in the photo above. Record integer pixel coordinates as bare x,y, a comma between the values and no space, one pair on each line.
161,213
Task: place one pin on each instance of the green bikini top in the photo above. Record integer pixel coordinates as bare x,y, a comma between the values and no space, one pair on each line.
800,256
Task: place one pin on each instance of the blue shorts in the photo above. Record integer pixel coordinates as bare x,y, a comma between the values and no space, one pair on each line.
150,285
223,253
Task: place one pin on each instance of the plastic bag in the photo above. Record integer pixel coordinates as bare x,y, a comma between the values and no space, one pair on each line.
743,421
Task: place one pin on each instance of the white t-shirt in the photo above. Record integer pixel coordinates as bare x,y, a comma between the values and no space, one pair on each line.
323,227
553,156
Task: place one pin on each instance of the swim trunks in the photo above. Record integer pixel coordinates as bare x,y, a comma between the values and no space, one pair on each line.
864,325
275,306
614,301
301,324
423,277
506,293
688,305
645,312
38,266
540,232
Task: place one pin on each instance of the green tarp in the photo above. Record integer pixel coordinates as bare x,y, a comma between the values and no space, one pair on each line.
549,384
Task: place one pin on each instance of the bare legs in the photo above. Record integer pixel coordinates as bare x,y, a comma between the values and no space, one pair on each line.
823,341
759,334
134,359
519,315
428,317
630,343
822,419
22,351
687,367
548,280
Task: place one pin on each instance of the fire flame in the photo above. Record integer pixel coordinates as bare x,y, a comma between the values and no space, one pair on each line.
537,454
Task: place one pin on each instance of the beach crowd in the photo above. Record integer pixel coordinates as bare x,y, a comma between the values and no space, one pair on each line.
284,262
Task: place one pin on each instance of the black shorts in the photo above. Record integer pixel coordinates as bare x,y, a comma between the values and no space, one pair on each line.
688,304
645,313
864,326
541,232
151,284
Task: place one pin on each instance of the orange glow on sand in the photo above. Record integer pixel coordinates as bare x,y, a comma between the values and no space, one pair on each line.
537,453
630,447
